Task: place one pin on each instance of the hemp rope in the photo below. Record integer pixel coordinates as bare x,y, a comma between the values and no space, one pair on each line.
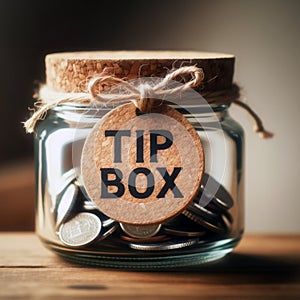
140,96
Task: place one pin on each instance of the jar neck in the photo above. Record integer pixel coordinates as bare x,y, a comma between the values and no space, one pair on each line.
90,115
205,114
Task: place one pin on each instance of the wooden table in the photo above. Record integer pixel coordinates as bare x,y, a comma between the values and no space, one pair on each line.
261,267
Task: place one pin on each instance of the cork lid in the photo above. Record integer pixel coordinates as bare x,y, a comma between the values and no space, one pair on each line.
69,71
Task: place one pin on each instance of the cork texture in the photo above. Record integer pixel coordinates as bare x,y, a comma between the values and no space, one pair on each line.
186,153
69,72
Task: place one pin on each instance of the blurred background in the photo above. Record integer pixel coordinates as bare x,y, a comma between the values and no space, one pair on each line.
264,36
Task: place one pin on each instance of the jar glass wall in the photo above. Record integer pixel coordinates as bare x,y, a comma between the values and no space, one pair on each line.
209,227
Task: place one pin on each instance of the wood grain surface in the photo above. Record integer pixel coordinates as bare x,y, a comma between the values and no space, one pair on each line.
261,267
17,196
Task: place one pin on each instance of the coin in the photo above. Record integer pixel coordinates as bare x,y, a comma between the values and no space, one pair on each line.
108,232
81,230
153,239
227,222
215,227
225,202
180,222
170,245
107,222
184,233
183,226
66,204
64,181
144,231
91,206
221,196
215,208
202,211
60,185
215,221
222,212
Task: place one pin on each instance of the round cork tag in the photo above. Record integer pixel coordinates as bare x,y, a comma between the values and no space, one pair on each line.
142,168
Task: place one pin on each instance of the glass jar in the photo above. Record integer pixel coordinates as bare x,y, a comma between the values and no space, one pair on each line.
194,241
207,229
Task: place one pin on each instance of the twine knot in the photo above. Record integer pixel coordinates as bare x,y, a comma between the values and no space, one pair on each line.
144,95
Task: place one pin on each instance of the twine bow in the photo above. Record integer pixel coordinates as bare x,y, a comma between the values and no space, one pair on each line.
142,96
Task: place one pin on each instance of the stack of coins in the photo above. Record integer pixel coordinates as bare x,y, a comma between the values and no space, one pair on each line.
214,217
79,222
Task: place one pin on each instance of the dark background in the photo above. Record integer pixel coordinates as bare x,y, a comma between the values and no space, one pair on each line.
31,29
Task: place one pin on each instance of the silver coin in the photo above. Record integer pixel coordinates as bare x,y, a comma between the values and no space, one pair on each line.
140,231
108,222
66,204
108,232
202,211
170,245
91,206
184,233
81,230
